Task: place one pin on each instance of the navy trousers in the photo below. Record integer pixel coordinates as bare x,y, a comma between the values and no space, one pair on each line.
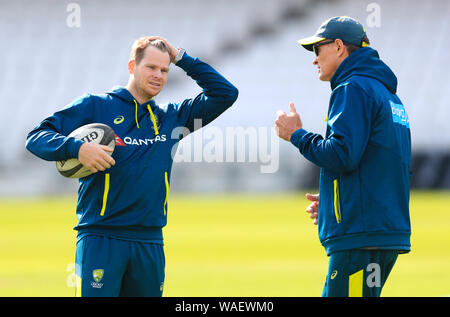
358,273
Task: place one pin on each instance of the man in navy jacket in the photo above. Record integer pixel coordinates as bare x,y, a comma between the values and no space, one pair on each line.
365,157
122,207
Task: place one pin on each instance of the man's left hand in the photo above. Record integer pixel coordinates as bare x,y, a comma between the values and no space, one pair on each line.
288,124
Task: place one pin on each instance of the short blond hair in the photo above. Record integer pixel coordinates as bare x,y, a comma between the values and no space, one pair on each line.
139,46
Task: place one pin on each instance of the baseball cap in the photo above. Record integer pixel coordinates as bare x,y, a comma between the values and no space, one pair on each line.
349,30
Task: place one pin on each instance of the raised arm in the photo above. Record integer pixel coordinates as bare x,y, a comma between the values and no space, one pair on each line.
217,96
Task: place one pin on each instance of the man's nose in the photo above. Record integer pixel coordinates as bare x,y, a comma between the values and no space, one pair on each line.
157,74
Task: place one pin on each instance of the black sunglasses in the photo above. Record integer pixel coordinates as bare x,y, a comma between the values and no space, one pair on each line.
316,46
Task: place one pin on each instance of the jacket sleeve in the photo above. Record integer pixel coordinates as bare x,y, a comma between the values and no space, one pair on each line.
217,96
49,139
349,125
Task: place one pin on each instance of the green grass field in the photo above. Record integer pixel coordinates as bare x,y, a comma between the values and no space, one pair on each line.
225,246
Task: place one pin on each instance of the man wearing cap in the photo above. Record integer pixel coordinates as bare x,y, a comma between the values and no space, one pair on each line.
365,157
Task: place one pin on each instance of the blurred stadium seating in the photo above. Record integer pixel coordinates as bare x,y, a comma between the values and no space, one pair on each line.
46,64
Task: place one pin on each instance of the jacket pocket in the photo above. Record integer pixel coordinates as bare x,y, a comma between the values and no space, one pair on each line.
337,204
105,194
166,180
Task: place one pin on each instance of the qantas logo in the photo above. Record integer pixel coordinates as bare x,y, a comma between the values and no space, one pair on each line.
132,141
119,141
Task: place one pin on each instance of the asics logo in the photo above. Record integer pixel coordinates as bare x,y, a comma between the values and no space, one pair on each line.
119,120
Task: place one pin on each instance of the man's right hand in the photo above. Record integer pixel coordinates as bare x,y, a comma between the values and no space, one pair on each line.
173,51
288,124
313,208
94,157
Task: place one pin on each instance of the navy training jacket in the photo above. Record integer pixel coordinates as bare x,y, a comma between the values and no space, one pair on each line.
130,199
365,159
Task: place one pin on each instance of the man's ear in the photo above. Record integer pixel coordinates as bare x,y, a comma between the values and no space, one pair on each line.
341,49
131,65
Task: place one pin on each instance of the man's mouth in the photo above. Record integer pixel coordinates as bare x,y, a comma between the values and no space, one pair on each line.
156,85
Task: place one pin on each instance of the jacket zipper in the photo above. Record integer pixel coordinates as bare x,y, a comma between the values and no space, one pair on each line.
152,117
337,205
105,194
167,193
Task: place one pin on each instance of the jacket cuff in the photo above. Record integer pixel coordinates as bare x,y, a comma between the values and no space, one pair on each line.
297,137
73,147
185,62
